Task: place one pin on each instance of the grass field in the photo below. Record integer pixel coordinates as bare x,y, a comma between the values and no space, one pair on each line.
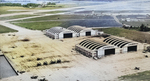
4,29
141,76
4,9
52,12
66,21
15,17
40,25
54,17
129,34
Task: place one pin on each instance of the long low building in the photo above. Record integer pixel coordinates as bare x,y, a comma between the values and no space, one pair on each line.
73,31
60,33
94,49
124,46
83,31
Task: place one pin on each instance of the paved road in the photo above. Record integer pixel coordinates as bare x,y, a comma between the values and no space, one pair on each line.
116,19
20,29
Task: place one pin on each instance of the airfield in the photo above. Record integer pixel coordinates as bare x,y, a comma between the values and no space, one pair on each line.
26,48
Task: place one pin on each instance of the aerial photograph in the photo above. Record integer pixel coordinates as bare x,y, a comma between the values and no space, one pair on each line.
74,40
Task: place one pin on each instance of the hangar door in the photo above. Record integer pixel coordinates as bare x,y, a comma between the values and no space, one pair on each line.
132,48
68,35
109,51
88,33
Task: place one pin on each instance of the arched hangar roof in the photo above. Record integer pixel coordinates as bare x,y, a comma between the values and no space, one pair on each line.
117,42
58,30
91,44
77,28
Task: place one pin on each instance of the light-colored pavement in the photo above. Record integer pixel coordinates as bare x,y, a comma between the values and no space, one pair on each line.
20,29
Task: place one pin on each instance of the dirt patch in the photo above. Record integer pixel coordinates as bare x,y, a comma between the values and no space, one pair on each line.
25,40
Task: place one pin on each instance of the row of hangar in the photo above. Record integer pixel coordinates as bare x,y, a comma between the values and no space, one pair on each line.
110,45
70,32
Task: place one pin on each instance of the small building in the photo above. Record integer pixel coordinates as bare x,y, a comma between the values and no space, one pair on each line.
94,49
60,33
124,46
83,31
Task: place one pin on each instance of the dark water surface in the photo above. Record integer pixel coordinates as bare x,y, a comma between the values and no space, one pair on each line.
5,69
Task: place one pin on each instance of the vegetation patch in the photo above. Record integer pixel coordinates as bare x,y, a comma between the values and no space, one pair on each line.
4,29
46,22
141,76
5,9
39,25
15,17
53,17
52,12
129,34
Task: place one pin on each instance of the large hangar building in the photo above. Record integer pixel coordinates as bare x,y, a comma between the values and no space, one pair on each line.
93,49
124,46
60,33
83,31
109,45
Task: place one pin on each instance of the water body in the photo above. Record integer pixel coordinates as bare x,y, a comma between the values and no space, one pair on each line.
5,69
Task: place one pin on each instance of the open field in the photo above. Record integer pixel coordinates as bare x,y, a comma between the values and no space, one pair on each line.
52,12
40,25
141,76
8,10
54,17
15,17
142,37
4,9
4,29
67,20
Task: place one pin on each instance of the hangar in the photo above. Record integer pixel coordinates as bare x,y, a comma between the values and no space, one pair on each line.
60,33
94,49
123,45
83,31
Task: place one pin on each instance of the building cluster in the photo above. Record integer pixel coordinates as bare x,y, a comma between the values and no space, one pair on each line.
92,48
70,32
110,45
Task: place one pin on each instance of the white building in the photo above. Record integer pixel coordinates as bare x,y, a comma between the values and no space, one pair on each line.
124,46
60,33
94,49
83,31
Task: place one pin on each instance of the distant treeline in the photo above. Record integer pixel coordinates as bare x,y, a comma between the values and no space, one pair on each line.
140,28
26,5
10,4
31,5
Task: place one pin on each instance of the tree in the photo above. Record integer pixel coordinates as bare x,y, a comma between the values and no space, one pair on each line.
142,27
